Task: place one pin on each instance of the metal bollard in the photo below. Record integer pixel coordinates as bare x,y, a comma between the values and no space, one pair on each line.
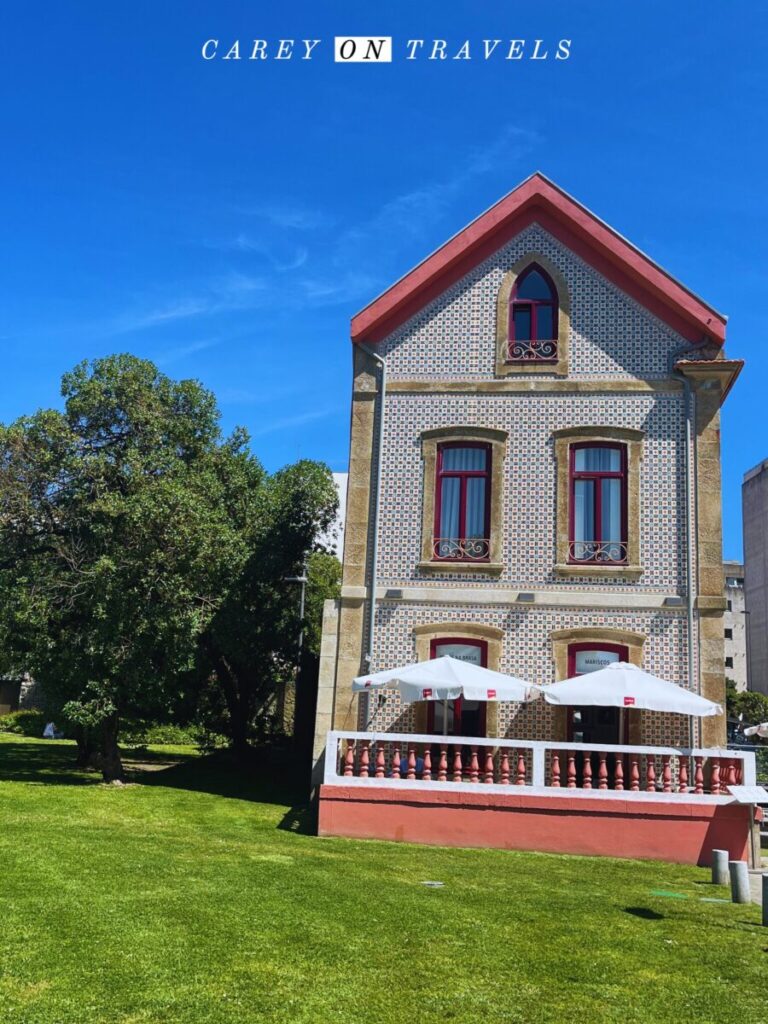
720,875
765,901
739,881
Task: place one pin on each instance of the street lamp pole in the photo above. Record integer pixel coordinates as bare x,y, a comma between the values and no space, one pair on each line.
302,604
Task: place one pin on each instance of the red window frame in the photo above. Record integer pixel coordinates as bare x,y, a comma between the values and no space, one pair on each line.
534,305
457,703
623,652
598,476
463,475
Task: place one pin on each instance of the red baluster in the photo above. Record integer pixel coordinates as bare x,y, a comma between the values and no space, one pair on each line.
349,758
488,765
571,784
602,772
457,765
411,761
618,773
520,780
504,766
739,771
682,776
666,774
474,765
442,768
634,773
365,758
427,772
586,771
650,773
396,761
731,772
714,781
698,775
556,768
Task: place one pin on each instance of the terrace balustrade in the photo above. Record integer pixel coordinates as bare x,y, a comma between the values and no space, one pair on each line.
403,760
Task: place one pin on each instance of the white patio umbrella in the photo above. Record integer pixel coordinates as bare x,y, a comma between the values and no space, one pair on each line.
621,685
445,679
757,730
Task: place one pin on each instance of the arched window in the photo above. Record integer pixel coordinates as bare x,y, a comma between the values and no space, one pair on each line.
533,317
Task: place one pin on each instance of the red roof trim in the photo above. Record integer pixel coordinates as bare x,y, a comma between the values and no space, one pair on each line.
538,199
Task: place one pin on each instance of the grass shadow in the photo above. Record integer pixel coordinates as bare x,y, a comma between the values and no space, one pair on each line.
644,913
269,777
47,762
301,819
272,776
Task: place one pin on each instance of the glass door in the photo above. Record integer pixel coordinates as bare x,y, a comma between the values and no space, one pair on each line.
600,725
458,717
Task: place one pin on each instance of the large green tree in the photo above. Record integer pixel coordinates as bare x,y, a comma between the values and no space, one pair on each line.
130,529
248,651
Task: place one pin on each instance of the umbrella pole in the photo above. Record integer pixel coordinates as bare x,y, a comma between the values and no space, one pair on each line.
445,718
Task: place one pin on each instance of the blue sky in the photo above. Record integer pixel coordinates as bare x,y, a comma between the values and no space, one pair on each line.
227,219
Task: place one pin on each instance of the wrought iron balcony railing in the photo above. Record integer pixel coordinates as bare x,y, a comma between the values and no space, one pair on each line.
471,549
598,552
532,350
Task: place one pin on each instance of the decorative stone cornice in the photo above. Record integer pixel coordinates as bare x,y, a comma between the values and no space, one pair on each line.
461,433
592,433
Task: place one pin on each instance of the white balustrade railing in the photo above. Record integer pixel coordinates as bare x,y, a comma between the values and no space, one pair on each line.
584,769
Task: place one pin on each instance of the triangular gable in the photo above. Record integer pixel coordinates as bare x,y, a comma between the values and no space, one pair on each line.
540,200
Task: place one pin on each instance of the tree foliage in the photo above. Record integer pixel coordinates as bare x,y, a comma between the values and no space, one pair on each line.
752,706
323,584
141,551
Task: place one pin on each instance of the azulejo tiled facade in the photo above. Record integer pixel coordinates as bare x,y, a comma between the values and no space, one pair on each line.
644,361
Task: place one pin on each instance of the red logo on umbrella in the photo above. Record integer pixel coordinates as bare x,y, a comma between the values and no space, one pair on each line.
629,701
368,682
491,694
426,693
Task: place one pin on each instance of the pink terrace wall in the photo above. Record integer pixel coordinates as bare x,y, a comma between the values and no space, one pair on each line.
677,830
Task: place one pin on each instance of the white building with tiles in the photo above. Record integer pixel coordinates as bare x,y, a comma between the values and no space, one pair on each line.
534,477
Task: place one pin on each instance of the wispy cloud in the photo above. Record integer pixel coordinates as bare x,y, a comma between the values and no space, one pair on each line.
356,263
339,288
409,214
270,393
289,215
174,355
294,421
223,294
292,260
138,320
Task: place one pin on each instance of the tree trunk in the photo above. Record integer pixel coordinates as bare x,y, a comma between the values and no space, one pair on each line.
85,747
238,716
111,763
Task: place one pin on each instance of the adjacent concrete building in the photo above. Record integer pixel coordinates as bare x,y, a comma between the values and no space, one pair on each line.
735,625
754,493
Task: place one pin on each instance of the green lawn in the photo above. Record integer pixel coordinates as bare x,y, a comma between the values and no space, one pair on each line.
196,896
